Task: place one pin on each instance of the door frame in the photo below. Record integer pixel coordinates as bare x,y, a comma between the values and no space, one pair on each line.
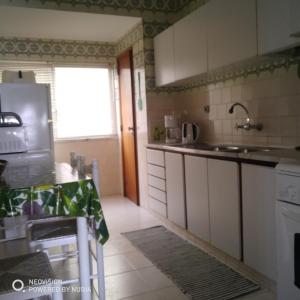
130,52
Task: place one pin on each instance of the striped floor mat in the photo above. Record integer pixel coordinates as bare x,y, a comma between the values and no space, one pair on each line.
199,275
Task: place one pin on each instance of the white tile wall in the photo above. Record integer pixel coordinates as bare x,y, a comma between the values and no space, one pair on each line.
272,99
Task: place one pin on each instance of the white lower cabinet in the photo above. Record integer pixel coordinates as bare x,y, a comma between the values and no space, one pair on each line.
175,188
158,206
258,184
224,206
204,196
197,205
156,181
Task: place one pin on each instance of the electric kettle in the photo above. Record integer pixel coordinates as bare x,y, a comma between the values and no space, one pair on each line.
190,133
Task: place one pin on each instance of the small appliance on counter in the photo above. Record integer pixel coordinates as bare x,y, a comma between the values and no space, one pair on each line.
190,133
172,129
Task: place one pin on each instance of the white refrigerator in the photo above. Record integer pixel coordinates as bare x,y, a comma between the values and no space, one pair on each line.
31,144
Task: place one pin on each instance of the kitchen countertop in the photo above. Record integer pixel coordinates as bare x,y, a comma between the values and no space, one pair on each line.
273,156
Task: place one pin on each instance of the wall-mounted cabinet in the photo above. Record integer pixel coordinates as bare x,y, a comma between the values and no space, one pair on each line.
164,57
223,33
275,22
190,45
231,32
295,18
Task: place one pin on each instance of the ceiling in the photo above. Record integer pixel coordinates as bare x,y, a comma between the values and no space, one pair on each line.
54,24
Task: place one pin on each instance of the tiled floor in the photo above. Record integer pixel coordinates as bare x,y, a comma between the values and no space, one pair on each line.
128,273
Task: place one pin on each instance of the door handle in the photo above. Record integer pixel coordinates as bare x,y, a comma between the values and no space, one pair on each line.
131,128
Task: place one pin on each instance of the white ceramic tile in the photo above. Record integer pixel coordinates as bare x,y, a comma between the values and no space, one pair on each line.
116,264
125,285
118,246
226,95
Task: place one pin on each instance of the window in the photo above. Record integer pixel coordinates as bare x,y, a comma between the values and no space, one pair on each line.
83,102
81,97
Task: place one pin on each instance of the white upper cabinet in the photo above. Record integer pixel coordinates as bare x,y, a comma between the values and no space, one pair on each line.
164,57
274,25
295,18
231,32
221,33
190,45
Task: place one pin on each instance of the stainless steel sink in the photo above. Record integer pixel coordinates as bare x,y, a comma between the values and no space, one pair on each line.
241,149
199,147
228,148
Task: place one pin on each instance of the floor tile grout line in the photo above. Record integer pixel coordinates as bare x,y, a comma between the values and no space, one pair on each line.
129,271
150,292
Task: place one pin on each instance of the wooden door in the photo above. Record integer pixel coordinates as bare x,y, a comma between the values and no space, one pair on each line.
128,127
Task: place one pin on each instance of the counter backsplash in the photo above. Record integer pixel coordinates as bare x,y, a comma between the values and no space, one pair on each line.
272,99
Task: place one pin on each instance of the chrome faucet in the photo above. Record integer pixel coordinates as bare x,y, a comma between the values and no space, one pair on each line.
248,125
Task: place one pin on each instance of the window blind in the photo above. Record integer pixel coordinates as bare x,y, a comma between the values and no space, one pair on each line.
44,74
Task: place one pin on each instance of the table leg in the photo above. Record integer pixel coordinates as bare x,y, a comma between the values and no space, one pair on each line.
84,265
100,271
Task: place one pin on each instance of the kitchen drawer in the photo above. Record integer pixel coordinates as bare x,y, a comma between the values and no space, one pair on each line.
156,157
158,207
156,171
157,194
157,182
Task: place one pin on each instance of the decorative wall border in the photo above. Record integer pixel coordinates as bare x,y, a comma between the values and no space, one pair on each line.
157,15
128,5
129,39
265,64
55,48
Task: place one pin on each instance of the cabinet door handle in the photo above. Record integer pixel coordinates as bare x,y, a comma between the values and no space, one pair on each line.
131,128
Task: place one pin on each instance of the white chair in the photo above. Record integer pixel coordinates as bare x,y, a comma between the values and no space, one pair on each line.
76,230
